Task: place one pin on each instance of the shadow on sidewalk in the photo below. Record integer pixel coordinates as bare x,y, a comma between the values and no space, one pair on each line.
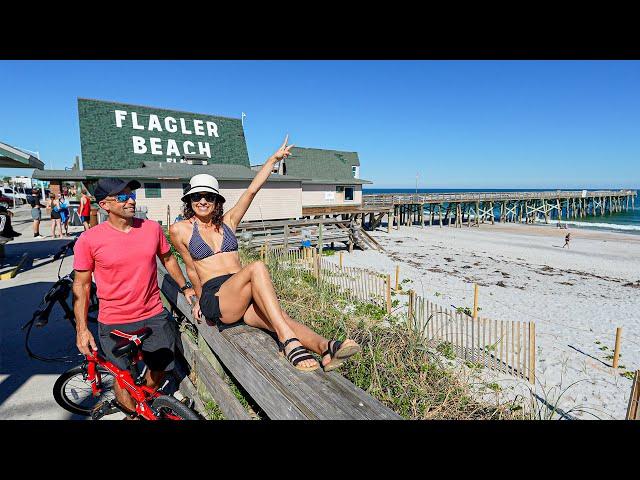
39,251
17,305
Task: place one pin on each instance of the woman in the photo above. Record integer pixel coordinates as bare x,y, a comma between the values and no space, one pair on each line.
228,292
53,205
36,215
64,214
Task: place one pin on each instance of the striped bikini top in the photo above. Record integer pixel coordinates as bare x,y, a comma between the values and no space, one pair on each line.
200,249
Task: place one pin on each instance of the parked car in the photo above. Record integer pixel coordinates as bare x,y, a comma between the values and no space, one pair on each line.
20,197
6,201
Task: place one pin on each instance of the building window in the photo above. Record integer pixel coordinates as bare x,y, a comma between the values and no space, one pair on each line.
354,170
152,190
339,188
348,193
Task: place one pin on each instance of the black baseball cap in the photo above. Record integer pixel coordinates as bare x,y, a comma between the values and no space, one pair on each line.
112,186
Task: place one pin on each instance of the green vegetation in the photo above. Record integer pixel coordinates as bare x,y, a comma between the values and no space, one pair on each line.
213,411
628,375
173,250
395,366
446,350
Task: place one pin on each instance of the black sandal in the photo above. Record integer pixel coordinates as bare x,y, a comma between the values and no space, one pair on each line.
297,355
339,352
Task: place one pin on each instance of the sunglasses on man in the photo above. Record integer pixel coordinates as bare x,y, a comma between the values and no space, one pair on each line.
123,197
208,196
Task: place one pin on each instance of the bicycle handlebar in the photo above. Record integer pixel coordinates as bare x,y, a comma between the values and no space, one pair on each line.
65,248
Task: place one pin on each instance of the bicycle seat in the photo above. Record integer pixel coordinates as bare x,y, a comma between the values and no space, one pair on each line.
129,341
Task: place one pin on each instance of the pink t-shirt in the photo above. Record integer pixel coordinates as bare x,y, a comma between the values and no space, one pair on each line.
124,268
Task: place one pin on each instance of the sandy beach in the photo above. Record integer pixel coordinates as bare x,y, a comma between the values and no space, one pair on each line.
576,296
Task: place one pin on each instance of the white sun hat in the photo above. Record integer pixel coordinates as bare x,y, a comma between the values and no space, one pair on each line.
203,182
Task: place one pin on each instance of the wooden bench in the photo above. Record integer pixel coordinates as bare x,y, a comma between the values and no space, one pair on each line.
281,391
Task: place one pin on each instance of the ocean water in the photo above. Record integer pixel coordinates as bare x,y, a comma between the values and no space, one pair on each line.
623,222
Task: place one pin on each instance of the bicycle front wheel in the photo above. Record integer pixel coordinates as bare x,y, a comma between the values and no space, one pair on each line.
73,392
170,408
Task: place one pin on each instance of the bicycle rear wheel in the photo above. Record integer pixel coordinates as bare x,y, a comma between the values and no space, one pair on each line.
170,408
73,392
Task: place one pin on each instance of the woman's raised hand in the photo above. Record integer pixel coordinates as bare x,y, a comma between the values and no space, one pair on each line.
284,151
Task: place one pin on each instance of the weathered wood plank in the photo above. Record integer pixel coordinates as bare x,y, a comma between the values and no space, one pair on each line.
230,406
187,388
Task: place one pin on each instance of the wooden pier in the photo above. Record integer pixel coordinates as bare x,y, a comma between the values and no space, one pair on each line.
456,209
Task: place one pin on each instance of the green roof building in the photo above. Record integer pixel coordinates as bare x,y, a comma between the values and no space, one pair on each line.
164,148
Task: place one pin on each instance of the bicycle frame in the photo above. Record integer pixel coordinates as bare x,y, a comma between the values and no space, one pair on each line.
141,394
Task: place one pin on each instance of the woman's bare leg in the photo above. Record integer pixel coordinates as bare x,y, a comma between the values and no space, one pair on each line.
253,284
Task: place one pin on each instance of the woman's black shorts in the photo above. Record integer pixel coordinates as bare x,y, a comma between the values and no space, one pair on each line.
209,302
55,215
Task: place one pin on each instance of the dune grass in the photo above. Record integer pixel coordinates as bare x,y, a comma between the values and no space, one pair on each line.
394,366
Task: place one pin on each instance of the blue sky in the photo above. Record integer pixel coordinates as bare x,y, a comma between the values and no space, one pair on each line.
459,124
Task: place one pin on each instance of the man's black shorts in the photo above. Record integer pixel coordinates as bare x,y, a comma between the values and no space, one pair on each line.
157,350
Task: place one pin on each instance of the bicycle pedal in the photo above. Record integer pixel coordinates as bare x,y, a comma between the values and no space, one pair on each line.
102,409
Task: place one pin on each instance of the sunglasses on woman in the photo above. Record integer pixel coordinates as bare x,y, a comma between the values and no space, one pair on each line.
123,197
208,196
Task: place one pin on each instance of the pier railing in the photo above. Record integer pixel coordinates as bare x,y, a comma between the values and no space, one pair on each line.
506,346
389,199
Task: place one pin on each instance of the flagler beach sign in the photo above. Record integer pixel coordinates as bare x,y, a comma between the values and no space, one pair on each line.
115,135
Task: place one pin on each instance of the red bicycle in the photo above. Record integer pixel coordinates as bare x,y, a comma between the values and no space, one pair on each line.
88,388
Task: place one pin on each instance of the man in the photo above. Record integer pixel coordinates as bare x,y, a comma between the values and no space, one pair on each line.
121,253
85,209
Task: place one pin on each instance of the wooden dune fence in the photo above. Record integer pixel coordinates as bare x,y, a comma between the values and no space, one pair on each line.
502,345
633,410
349,282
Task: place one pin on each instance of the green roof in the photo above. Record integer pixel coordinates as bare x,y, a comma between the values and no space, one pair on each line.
323,166
162,171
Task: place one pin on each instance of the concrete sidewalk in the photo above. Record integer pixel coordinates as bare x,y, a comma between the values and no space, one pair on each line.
26,384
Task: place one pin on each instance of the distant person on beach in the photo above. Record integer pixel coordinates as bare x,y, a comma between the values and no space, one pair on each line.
84,211
566,240
229,292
